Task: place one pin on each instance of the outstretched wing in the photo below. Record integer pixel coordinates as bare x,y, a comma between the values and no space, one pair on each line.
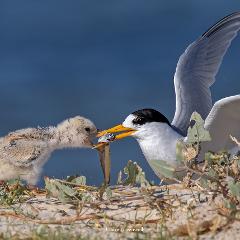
197,68
223,121
21,149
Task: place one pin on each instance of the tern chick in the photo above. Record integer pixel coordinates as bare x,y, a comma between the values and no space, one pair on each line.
24,152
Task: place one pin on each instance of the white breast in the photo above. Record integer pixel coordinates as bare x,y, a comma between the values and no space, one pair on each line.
158,142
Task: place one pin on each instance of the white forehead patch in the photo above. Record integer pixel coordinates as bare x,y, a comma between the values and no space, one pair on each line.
128,121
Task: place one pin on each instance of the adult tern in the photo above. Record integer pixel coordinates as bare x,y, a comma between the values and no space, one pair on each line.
195,73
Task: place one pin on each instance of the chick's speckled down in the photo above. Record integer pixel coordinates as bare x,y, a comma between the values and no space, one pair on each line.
24,152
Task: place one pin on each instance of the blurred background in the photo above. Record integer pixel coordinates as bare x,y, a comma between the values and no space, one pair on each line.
103,60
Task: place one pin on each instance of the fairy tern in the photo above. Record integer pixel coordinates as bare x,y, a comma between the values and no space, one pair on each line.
195,73
24,152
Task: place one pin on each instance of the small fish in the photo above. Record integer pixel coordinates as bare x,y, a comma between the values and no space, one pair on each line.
104,157
108,137
103,148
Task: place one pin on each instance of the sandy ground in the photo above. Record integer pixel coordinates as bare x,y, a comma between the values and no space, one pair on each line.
171,212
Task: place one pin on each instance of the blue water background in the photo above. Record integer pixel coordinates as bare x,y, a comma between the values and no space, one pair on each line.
102,60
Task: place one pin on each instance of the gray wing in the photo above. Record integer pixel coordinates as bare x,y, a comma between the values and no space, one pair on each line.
20,149
197,68
223,121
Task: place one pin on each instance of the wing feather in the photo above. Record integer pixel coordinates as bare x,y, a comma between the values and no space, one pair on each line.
223,121
197,68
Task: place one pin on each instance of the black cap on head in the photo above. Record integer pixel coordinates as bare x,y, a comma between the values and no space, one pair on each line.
149,115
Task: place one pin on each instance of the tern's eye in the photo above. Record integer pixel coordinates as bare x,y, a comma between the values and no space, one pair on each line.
139,120
87,129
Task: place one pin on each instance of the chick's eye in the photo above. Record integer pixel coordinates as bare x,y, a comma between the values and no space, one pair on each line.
87,129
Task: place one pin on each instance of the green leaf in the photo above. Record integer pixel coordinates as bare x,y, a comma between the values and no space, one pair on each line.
65,189
212,173
131,171
59,190
179,151
196,131
87,197
209,156
80,180
141,178
51,187
204,183
234,188
160,167
230,205
62,197
135,175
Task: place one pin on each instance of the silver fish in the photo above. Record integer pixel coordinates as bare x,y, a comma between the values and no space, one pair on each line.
108,137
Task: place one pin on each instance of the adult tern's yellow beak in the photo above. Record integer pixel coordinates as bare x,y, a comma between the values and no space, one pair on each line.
124,132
